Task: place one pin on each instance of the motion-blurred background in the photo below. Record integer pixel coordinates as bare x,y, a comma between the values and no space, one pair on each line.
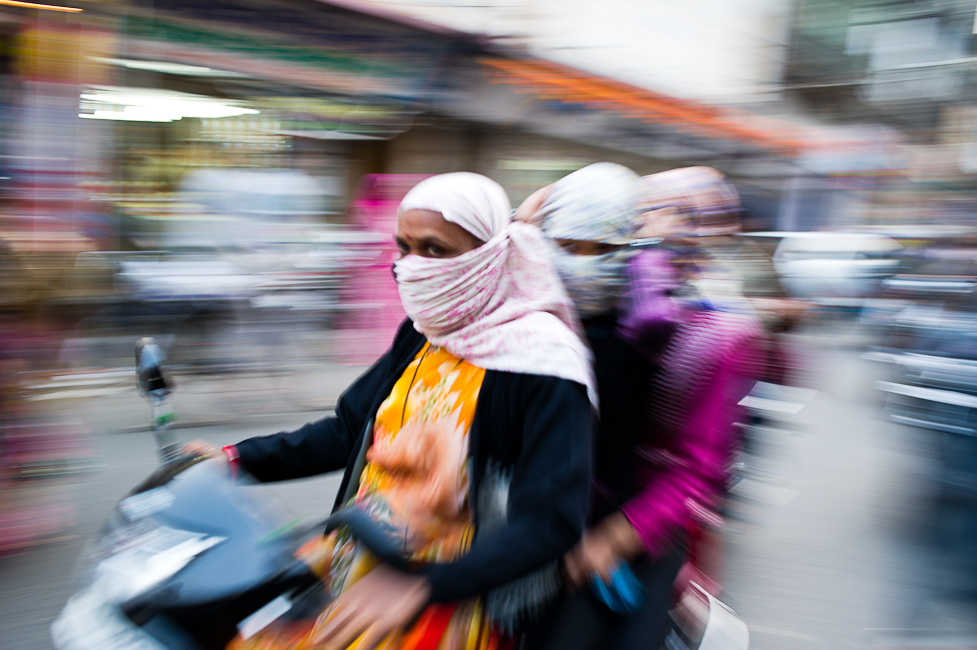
223,175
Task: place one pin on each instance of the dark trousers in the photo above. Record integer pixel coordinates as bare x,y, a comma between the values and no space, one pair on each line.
579,621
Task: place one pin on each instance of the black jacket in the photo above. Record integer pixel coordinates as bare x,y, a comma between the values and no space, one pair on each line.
532,429
624,378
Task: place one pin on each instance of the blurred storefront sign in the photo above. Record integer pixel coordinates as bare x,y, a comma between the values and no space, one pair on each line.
333,119
701,123
259,51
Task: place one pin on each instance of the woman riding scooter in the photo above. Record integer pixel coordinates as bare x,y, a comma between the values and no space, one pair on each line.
468,442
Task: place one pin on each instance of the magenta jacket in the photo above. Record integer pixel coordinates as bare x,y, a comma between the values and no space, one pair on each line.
707,366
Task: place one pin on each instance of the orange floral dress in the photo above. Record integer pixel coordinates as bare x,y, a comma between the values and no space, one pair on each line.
415,484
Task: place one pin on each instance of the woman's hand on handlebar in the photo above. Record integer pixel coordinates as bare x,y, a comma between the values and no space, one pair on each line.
201,447
385,600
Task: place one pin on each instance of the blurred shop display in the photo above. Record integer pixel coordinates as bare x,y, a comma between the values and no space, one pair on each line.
372,310
225,175
44,446
928,351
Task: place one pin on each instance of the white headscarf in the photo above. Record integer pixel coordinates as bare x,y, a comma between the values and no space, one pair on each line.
500,306
596,203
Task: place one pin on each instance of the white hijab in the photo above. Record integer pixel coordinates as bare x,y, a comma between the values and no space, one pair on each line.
500,306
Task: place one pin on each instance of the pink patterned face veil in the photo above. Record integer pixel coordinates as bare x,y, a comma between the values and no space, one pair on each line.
499,306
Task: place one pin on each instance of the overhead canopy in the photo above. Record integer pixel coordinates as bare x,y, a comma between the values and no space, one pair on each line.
553,81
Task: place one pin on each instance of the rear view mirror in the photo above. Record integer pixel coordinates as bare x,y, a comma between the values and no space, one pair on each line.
155,388
150,378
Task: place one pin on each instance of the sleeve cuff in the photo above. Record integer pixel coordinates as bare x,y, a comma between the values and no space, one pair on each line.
652,538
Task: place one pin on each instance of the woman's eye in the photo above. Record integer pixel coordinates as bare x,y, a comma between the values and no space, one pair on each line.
435,251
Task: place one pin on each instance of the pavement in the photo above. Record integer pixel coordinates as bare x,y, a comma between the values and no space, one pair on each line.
843,564
836,564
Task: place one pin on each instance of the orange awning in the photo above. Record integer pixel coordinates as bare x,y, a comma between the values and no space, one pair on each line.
553,81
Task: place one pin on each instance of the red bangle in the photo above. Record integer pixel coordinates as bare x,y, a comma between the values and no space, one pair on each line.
233,457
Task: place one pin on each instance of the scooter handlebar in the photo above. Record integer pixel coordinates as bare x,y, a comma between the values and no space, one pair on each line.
367,531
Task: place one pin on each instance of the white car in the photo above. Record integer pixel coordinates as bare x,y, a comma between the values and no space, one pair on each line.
835,268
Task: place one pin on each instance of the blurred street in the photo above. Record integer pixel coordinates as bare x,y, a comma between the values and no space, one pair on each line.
844,564
797,183
832,559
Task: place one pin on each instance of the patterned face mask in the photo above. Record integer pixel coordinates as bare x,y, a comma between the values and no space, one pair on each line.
594,282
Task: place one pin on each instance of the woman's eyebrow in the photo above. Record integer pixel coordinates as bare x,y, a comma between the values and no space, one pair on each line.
433,239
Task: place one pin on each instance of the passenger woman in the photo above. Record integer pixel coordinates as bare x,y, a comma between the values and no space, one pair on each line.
669,374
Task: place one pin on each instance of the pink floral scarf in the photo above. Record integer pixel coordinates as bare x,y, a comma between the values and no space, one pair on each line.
500,306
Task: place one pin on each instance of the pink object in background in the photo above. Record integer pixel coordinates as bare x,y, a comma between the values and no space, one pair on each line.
371,305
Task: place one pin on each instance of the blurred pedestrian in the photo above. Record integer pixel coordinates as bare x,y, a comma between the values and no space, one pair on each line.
468,442
668,375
